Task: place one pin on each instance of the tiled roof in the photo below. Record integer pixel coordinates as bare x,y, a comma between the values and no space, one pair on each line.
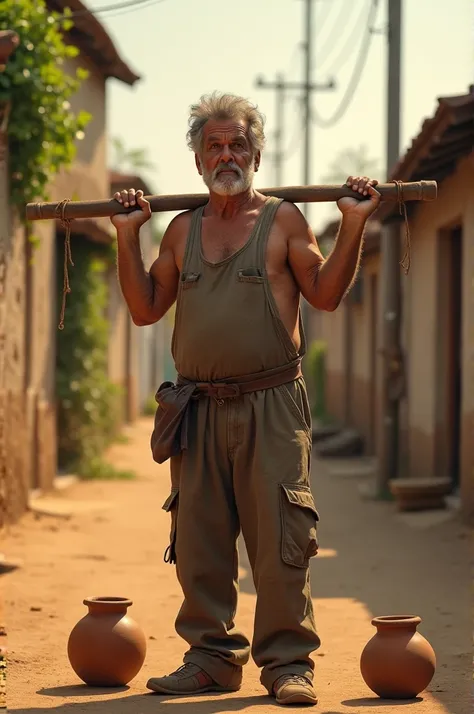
90,36
443,139
119,181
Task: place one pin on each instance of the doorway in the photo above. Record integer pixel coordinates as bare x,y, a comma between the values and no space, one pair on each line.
450,356
373,337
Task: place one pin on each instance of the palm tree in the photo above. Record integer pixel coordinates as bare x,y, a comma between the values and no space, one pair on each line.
352,162
130,160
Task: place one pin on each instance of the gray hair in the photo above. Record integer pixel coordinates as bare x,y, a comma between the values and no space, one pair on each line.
225,106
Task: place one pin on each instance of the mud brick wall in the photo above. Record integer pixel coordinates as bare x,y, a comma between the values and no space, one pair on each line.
13,464
46,445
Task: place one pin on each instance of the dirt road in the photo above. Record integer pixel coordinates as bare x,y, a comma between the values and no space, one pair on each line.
372,562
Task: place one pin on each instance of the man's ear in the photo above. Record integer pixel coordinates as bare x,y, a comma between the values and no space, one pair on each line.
198,164
257,160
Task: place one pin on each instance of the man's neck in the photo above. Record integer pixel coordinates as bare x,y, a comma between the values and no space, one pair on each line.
227,207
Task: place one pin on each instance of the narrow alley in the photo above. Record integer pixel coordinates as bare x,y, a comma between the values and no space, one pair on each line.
108,538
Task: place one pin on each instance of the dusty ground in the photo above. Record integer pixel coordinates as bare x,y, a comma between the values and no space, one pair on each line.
373,561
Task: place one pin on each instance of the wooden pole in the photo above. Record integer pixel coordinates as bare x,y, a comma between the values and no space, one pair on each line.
415,191
390,273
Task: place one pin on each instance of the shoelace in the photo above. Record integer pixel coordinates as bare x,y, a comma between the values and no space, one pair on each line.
294,678
183,670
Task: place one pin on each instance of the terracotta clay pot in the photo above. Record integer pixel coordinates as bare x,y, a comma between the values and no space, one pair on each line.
107,648
398,662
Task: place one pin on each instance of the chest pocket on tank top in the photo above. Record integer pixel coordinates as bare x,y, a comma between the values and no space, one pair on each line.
250,275
189,280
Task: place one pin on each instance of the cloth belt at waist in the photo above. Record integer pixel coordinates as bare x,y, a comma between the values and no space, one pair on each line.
226,389
170,434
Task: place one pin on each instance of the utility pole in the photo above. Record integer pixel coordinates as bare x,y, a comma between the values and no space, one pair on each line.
391,292
278,155
308,87
308,46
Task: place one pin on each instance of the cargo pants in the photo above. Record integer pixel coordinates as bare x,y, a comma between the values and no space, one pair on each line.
246,470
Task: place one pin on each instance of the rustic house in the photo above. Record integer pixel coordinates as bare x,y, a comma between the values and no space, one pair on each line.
437,404
33,290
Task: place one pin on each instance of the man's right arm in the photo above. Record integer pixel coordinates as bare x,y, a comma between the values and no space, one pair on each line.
149,295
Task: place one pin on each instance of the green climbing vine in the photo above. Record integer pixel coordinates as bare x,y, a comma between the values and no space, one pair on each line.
42,128
37,86
88,402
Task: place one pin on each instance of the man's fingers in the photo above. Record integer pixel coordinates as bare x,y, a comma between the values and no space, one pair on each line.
373,192
355,182
124,195
118,196
131,196
143,203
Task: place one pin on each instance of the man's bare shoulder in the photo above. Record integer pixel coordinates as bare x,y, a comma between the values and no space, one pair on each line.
176,233
290,220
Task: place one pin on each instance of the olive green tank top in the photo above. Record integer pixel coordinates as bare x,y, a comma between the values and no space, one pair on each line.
227,322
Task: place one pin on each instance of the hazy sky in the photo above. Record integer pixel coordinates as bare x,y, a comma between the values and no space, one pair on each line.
184,48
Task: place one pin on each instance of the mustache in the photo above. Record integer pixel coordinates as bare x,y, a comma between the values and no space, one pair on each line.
225,167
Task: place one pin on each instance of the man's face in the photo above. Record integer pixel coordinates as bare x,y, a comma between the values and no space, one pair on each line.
226,162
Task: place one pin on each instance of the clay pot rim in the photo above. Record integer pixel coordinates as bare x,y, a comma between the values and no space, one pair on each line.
108,600
393,621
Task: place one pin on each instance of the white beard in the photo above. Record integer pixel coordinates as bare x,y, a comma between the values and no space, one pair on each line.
229,184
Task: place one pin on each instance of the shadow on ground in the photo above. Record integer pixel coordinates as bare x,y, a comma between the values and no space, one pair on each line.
148,704
396,565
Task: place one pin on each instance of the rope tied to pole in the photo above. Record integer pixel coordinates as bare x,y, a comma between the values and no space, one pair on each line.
66,224
402,209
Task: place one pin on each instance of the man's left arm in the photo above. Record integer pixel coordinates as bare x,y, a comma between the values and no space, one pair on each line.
324,282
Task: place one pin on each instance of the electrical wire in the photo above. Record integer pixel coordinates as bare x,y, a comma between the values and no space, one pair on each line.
294,56
295,142
132,4
344,54
342,16
128,10
356,75
320,22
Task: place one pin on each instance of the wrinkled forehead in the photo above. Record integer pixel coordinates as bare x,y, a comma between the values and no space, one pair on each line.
225,129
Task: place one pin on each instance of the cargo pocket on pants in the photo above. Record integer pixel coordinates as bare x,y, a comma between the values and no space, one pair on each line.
299,518
171,506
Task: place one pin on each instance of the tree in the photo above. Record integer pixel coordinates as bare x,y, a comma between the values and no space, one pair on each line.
352,162
130,160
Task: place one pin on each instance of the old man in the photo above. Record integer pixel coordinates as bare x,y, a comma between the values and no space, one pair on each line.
237,268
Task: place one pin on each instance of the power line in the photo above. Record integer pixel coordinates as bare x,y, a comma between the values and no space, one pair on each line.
343,14
294,56
356,75
128,10
344,54
295,142
320,22
108,8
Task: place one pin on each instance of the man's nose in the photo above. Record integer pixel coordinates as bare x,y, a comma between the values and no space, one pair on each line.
226,154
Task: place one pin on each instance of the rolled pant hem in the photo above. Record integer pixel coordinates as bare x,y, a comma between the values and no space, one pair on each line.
225,674
270,676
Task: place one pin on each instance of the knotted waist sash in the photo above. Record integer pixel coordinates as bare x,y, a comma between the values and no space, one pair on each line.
170,433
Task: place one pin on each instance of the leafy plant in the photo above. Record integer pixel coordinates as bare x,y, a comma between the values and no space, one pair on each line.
103,471
352,162
89,404
129,160
150,406
42,128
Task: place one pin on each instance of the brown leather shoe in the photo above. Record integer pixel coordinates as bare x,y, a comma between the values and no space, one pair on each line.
294,689
188,679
